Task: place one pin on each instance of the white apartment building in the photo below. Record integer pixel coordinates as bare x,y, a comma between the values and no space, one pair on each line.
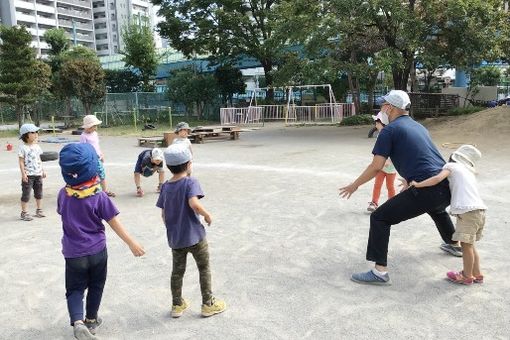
110,16
96,24
75,16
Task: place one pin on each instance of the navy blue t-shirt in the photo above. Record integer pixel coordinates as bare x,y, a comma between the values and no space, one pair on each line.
410,148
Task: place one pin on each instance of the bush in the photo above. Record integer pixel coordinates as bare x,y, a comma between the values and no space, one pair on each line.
465,110
363,119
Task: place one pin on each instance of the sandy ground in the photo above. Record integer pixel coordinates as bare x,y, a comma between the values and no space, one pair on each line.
283,246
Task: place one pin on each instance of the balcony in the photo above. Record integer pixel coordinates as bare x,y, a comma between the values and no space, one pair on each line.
74,13
78,25
25,18
24,5
84,37
82,4
46,21
45,9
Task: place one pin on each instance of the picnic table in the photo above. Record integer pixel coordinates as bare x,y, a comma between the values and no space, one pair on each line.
151,141
200,133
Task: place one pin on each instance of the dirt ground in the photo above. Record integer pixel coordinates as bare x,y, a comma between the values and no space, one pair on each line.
283,245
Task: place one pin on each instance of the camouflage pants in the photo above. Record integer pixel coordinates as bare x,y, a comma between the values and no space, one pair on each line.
200,252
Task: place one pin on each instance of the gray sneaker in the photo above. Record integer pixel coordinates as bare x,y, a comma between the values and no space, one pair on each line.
93,324
452,249
81,332
25,216
370,278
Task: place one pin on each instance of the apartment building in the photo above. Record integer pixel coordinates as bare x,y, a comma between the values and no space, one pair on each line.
75,16
110,16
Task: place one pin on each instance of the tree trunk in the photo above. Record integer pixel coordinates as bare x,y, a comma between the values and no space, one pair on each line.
19,114
87,107
268,67
401,77
354,91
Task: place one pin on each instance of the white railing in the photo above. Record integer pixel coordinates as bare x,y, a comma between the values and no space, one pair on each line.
333,113
241,115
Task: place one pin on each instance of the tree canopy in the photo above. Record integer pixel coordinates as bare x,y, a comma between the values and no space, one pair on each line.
23,78
140,50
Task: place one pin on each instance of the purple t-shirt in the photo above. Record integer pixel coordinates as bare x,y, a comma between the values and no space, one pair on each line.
183,226
82,223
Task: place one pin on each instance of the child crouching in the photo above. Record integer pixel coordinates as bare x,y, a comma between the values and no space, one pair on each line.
179,201
83,206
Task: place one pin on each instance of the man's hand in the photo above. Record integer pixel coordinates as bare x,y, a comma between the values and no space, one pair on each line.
24,177
403,184
44,174
347,191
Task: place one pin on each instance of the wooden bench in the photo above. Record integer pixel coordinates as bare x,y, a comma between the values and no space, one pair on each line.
199,134
151,141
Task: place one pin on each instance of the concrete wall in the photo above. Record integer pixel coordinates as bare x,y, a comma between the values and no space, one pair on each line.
485,93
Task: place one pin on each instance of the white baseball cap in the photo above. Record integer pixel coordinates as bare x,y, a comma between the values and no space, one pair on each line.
157,154
26,128
398,98
467,155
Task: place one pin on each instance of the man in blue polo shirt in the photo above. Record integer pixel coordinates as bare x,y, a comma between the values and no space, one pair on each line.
416,158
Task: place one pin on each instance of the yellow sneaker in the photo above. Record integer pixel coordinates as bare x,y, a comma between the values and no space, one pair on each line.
217,307
178,310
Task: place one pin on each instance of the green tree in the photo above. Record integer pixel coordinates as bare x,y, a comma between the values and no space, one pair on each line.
23,78
140,50
225,29
121,81
58,40
230,81
194,90
485,76
81,75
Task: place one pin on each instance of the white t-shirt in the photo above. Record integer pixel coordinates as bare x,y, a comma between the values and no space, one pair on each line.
32,156
465,195
180,140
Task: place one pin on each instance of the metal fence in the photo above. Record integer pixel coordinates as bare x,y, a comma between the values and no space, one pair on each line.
256,115
432,104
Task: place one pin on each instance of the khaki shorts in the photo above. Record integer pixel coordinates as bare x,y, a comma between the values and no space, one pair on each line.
469,226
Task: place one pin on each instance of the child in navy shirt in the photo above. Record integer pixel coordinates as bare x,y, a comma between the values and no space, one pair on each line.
179,201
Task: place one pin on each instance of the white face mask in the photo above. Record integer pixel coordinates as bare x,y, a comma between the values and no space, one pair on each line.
385,115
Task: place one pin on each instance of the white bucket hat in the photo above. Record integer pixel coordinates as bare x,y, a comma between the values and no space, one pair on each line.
157,154
398,98
467,155
382,117
182,126
89,121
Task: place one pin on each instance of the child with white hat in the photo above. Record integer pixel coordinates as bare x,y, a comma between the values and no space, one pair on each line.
182,130
467,206
149,162
90,136
388,173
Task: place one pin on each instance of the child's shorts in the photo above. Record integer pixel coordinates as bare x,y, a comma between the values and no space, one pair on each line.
469,226
100,170
33,182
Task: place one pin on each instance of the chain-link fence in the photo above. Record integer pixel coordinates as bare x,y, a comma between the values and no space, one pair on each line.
135,109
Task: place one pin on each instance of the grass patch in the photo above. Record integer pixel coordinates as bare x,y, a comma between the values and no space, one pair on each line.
9,134
363,119
129,130
458,111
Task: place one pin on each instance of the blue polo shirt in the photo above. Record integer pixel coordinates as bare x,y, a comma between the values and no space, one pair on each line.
410,148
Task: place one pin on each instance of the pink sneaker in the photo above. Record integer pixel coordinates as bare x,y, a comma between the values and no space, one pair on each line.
459,278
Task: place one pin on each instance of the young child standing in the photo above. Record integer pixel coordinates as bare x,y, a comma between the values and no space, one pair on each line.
388,173
179,201
182,130
83,206
90,136
467,205
32,173
149,161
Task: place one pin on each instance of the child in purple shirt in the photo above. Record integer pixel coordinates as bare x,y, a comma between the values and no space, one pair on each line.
179,201
83,206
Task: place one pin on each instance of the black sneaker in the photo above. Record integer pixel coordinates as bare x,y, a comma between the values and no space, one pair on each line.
93,324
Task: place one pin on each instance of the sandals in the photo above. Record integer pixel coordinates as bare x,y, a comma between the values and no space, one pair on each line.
110,193
459,278
39,213
139,192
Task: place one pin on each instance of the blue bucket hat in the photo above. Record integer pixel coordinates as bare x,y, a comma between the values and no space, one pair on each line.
78,163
